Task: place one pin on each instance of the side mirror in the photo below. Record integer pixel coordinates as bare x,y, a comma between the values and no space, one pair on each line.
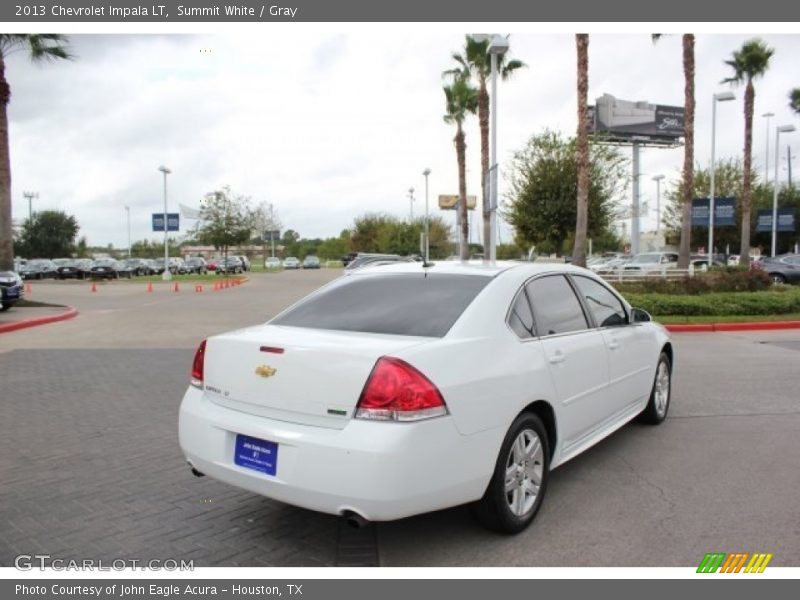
640,316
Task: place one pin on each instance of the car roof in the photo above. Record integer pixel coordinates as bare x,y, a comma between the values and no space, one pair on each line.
474,267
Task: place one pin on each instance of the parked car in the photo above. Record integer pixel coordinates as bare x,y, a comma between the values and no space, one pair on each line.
244,260
74,268
232,264
138,266
368,399
12,289
610,264
196,264
782,269
211,263
126,269
362,260
291,262
311,262
273,262
157,266
652,261
105,268
38,269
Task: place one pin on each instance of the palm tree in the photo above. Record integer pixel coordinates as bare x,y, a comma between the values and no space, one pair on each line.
474,61
794,100
38,47
687,187
461,100
579,250
748,63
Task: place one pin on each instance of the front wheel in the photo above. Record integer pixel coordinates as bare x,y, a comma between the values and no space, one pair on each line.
777,278
656,410
519,481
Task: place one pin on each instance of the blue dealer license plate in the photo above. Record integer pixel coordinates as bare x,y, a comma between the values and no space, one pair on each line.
256,454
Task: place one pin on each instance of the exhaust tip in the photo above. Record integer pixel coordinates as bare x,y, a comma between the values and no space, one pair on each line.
195,472
354,520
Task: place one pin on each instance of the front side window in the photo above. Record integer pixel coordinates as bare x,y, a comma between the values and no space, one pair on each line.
605,307
555,305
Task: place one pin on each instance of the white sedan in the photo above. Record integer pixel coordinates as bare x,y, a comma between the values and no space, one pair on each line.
413,388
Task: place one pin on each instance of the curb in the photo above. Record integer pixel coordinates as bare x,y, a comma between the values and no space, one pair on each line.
715,327
70,313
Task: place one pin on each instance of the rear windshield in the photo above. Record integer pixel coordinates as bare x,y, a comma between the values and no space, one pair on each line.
397,304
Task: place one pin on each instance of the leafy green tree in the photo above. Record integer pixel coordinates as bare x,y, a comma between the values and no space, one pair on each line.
748,63
225,219
49,234
387,234
154,248
543,182
38,47
794,100
474,61
461,100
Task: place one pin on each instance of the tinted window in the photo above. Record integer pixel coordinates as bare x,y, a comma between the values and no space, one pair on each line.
556,306
793,260
520,318
605,307
397,304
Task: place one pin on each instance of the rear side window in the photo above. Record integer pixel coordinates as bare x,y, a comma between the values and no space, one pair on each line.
605,307
555,305
520,318
396,304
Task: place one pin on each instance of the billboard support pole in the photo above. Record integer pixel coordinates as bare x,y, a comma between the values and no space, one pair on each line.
711,186
635,204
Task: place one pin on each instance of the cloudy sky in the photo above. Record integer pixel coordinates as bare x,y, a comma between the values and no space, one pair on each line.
325,126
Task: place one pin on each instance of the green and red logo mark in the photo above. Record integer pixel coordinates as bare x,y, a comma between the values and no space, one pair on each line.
714,562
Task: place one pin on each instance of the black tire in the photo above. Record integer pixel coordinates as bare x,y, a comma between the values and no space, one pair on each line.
778,278
655,412
493,510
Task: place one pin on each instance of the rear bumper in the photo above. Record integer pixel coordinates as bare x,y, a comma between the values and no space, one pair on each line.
382,471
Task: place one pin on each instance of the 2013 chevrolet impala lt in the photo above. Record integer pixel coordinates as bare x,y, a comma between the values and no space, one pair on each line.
408,388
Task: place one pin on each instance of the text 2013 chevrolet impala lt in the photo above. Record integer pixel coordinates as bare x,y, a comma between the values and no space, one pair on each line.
408,388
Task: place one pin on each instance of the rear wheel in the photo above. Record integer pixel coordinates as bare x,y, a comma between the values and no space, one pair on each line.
656,410
777,278
519,481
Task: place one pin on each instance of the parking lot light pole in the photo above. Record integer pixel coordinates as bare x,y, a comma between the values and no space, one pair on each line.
497,47
410,204
778,131
128,211
427,172
767,116
658,179
167,275
720,97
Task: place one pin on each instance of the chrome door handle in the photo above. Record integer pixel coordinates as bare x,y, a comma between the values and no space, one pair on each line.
558,357
613,345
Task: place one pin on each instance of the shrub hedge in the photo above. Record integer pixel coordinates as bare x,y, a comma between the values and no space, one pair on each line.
773,302
729,279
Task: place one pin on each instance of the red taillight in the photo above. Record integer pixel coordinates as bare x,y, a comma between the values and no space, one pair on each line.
198,364
396,391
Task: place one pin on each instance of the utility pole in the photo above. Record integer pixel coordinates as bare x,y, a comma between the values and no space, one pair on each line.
411,204
789,159
30,197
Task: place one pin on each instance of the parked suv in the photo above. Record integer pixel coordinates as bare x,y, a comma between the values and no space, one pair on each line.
244,260
196,264
232,264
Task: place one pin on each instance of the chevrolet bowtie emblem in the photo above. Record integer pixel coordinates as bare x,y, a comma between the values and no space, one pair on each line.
265,371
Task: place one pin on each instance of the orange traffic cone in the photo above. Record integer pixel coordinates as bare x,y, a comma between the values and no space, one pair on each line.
216,286
177,289
150,288
94,286
198,288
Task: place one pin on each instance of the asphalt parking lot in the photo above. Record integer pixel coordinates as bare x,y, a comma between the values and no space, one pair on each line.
90,466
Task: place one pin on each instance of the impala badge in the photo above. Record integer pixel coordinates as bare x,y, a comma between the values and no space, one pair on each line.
265,371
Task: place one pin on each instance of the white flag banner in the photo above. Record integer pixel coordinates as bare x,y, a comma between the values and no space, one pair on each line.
187,212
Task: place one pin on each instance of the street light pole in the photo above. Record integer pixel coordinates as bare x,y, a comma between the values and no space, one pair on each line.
767,116
657,179
411,204
167,275
497,47
427,172
721,97
30,196
778,131
128,211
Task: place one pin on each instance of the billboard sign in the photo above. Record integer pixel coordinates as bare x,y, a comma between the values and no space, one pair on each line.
450,201
627,121
270,235
724,212
786,220
173,221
